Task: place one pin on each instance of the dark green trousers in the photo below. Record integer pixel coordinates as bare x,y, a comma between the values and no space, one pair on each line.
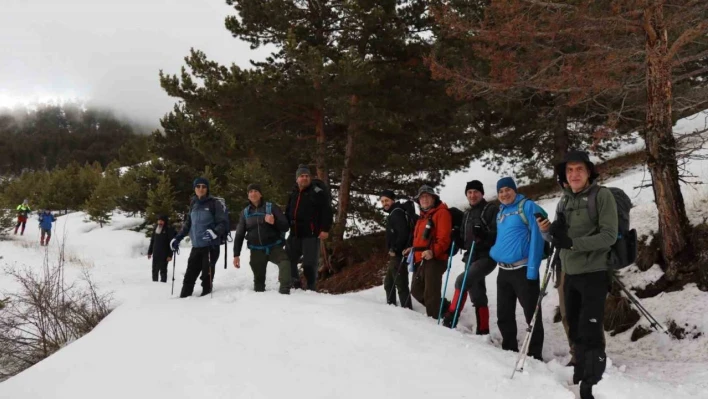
259,262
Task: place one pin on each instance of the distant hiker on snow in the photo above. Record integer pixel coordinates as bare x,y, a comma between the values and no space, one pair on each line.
309,214
263,225
518,251
431,245
479,225
159,249
398,238
45,225
23,211
585,246
205,223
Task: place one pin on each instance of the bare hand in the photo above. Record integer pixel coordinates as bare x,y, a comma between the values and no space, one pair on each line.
270,219
406,251
323,235
391,254
428,254
149,256
169,259
543,224
237,262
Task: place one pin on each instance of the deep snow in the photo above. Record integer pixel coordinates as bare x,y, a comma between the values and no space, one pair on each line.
241,344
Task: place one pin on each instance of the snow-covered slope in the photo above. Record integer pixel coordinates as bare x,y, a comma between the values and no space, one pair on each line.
242,344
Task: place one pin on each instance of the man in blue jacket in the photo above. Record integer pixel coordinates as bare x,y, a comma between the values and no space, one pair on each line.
45,224
518,251
205,223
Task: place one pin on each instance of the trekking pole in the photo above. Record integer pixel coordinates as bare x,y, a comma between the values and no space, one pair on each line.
211,282
449,266
521,359
654,323
174,265
464,280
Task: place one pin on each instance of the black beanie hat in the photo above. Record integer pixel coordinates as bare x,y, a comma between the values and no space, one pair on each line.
389,194
474,185
254,186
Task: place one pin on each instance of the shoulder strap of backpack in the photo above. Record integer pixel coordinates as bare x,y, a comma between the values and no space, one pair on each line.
484,211
245,211
520,210
269,208
592,202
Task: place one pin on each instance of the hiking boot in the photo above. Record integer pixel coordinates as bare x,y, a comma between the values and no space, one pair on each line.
284,291
297,284
205,291
586,391
186,291
447,320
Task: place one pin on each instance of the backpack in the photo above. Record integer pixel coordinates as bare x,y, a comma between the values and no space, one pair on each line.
520,211
411,217
624,251
319,185
268,211
456,234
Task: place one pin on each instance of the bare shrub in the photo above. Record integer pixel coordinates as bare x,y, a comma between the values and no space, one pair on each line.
44,314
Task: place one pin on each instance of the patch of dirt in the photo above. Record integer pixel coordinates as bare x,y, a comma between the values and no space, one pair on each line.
357,277
619,315
639,333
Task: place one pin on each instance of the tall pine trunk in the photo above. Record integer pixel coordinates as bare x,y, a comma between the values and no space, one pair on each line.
661,145
321,150
346,183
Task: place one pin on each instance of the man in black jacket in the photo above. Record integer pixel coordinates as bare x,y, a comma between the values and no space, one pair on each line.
159,249
479,225
398,238
263,226
309,213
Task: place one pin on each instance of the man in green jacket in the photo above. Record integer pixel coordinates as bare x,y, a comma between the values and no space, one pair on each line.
585,248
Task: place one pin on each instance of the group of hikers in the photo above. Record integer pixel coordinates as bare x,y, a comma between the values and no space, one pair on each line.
262,225
46,219
515,235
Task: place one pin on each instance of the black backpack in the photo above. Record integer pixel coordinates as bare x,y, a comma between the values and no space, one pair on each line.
457,229
411,217
624,251
320,185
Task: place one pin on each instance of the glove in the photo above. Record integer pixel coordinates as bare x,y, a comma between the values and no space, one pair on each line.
209,235
561,240
558,227
174,244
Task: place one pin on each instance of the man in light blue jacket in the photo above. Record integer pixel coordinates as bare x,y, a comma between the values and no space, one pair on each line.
204,224
518,251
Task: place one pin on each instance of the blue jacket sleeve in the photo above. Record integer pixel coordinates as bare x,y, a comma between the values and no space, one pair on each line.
536,241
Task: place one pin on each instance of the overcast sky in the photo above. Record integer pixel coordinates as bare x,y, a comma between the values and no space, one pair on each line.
108,51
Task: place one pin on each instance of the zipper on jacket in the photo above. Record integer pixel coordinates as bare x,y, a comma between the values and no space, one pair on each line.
297,205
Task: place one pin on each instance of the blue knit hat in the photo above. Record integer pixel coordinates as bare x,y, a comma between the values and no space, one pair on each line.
506,182
200,180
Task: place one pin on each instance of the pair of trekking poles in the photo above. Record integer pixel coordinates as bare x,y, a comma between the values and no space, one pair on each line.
521,359
447,278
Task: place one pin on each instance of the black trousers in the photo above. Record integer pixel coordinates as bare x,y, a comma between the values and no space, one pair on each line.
513,285
309,249
397,275
475,282
585,309
198,262
159,267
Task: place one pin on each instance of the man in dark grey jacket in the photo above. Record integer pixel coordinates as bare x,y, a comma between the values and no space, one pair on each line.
398,238
205,223
263,225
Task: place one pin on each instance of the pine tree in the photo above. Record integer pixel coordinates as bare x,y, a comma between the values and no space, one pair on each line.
161,201
102,201
6,221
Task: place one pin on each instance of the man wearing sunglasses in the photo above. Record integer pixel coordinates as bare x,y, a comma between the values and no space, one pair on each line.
205,222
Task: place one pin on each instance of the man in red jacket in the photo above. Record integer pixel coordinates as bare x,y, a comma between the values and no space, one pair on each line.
431,246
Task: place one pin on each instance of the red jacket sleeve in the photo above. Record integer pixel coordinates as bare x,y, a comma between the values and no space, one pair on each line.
443,231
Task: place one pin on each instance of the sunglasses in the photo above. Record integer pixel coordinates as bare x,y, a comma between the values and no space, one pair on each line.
200,186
